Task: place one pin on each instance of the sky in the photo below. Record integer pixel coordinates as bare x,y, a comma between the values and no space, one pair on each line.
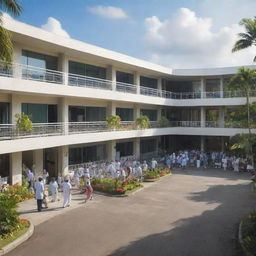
173,33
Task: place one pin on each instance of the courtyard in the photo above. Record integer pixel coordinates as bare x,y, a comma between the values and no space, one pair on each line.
190,213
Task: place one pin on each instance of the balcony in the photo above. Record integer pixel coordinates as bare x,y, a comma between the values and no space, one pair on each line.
52,76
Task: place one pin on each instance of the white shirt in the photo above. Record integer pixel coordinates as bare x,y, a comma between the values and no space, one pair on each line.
39,187
154,164
66,186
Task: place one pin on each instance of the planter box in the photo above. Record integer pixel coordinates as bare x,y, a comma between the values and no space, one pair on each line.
151,179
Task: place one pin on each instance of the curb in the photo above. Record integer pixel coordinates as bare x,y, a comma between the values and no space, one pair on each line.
18,241
240,239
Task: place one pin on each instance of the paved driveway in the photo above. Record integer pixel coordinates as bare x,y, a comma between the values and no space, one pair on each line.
191,213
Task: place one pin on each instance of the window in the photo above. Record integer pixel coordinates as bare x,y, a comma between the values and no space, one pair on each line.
126,114
150,113
123,77
4,113
95,114
4,165
147,146
148,82
125,148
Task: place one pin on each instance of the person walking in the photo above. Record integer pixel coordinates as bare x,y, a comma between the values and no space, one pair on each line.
88,187
54,189
66,186
39,192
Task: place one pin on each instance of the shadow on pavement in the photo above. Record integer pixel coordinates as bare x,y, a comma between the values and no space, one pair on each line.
43,210
213,233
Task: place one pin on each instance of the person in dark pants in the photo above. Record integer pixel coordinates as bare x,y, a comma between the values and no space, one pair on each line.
39,190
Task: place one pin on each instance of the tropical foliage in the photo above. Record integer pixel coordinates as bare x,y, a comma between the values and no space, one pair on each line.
23,122
248,38
143,122
114,122
6,47
156,173
163,122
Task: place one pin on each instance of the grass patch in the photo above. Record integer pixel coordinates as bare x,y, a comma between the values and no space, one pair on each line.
16,234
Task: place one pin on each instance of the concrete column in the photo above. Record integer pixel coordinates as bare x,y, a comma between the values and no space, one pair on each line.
63,67
111,75
63,113
111,109
202,117
63,160
38,162
137,82
17,53
111,150
202,148
221,87
159,87
136,148
15,107
221,116
202,88
16,168
136,112
159,114
222,144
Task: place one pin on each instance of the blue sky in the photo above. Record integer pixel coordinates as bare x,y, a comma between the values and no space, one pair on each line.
162,39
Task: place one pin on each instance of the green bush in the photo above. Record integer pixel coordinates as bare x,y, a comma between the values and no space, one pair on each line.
114,122
20,193
143,122
9,220
23,122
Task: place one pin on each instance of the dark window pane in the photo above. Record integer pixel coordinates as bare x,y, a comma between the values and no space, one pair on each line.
4,113
125,148
124,77
148,82
95,114
126,114
76,114
147,146
150,113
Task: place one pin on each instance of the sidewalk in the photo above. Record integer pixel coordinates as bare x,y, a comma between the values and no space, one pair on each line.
28,209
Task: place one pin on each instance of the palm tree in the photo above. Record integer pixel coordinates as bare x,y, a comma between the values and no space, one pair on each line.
6,46
248,38
244,80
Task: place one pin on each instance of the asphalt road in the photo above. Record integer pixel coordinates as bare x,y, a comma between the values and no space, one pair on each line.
193,213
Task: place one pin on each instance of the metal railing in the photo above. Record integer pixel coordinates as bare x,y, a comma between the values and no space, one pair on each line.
53,76
124,87
10,131
89,82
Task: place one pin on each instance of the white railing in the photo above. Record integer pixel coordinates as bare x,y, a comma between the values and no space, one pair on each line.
10,131
53,76
90,82
124,87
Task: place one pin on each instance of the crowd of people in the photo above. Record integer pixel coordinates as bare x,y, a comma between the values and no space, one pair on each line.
80,175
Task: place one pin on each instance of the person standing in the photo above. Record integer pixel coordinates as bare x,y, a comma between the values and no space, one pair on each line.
153,163
39,190
89,189
66,186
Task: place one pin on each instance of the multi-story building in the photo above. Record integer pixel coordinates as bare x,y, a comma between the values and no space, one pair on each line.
69,88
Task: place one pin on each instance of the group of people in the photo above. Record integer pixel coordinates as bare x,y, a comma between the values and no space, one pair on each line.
212,159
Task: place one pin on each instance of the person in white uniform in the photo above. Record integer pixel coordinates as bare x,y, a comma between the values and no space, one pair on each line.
54,189
39,193
66,186
153,163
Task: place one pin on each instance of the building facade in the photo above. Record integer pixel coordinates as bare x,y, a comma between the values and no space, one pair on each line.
69,88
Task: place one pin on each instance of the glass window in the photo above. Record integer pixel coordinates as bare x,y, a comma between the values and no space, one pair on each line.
76,114
39,60
95,114
150,113
148,82
125,148
4,113
147,146
124,77
4,165
76,68
38,112
126,114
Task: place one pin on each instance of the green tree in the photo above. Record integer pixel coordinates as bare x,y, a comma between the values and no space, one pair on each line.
248,38
6,47
244,80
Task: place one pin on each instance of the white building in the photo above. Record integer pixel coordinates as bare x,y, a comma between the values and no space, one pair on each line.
69,88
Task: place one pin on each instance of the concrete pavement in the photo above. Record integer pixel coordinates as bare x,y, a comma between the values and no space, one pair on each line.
191,213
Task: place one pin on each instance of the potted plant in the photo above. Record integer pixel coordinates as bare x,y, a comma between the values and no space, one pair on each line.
23,123
163,122
114,122
142,122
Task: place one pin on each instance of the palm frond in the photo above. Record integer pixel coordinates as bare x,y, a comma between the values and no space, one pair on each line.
6,46
11,6
241,44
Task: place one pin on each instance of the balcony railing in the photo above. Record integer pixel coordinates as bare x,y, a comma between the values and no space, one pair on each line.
52,76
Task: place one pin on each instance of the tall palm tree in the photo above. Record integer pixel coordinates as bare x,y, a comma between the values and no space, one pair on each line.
248,38
6,48
245,80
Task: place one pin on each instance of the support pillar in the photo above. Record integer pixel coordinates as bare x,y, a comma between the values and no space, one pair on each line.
111,75
15,107
202,88
159,87
111,150
17,54
63,160
38,162
137,82
159,114
63,114
202,117
136,148
136,112
221,87
222,117
202,146
16,168
111,109
63,67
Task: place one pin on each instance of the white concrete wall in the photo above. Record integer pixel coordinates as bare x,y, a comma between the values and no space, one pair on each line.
16,168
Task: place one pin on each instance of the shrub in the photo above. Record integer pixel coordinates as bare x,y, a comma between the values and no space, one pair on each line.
20,193
23,122
163,122
9,220
143,122
151,174
114,122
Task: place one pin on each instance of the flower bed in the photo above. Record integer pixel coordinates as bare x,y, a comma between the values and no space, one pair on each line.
115,186
249,234
155,174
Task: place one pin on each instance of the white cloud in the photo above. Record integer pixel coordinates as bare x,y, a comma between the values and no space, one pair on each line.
109,12
54,26
185,40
